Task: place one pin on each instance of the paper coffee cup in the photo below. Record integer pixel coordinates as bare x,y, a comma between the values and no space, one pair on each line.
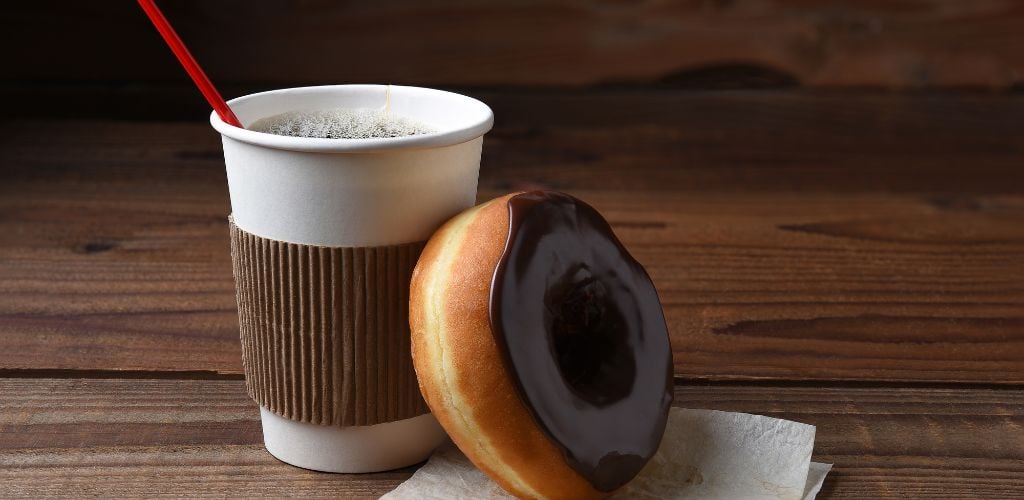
302,207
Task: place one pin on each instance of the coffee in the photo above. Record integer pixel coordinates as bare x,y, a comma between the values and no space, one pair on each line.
340,123
325,235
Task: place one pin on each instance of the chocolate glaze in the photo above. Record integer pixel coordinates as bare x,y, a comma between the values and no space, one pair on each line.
581,330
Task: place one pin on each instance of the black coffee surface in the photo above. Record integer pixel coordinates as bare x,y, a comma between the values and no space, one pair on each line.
340,123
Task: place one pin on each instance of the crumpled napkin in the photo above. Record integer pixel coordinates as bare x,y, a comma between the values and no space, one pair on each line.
704,454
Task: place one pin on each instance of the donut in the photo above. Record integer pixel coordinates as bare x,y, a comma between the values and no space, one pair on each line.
541,347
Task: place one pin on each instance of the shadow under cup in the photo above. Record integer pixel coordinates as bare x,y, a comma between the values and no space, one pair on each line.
324,236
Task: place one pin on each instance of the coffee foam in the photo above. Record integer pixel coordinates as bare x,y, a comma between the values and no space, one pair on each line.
340,123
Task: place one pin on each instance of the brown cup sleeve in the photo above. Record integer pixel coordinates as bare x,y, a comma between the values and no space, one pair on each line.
325,330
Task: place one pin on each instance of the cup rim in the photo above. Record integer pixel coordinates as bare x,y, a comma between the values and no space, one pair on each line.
471,130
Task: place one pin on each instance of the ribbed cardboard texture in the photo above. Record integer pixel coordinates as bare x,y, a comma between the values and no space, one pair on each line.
325,330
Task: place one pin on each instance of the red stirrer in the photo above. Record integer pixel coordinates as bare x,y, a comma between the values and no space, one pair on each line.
189,62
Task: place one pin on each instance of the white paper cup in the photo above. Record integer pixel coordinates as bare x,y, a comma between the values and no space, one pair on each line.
353,193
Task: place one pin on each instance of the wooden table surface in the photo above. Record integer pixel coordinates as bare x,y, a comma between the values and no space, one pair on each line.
850,260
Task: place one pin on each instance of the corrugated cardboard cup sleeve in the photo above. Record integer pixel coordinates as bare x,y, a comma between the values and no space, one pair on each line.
325,330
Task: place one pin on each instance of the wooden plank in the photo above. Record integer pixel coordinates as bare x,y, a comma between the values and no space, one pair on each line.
806,287
790,254
955,145
186,438
904,43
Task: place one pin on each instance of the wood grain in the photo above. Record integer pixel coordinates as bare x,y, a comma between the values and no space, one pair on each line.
118,438
903,43
782,247
954,145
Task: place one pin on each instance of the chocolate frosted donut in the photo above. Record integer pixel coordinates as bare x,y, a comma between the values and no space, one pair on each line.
581,329
541,347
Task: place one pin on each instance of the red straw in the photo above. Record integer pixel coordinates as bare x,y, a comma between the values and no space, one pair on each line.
189,62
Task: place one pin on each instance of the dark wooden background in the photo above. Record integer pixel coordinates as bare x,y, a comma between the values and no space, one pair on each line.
104,59
828,195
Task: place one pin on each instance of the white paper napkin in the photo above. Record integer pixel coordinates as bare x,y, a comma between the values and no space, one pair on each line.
704,454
